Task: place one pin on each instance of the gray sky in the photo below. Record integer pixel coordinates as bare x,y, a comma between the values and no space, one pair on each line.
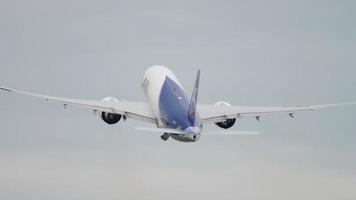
250,52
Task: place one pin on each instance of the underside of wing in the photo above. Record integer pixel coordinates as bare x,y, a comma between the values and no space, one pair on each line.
214,113
133,110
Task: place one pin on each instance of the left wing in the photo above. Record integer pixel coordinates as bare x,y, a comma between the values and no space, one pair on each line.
133,110
214,113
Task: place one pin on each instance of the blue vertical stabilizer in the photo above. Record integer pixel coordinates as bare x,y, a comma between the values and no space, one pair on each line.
193,101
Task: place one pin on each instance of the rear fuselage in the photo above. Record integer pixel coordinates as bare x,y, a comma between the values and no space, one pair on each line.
170,103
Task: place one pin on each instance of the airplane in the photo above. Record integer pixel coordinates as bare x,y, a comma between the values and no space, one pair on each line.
171,111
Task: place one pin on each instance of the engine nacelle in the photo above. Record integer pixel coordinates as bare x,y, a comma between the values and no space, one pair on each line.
228,123
110,118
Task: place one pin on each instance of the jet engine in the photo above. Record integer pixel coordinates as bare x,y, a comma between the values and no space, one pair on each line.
228,123
110,118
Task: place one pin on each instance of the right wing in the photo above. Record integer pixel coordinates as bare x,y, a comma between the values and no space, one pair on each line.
133,110
214,113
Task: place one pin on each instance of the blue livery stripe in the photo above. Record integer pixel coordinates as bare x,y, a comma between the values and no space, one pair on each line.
174,106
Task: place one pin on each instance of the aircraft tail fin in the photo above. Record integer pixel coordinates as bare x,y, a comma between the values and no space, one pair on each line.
193,101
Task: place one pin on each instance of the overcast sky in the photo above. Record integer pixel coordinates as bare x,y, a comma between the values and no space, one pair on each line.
250,53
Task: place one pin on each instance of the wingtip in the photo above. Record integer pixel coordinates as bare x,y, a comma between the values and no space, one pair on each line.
5,89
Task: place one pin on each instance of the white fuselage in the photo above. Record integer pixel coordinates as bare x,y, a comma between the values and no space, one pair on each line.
169,102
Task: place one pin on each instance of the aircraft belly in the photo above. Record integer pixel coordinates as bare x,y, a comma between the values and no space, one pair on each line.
182,138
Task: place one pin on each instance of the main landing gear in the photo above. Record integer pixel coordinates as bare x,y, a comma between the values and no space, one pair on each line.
165,137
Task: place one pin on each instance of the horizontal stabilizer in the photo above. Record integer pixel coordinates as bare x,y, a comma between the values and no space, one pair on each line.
232,132
161,130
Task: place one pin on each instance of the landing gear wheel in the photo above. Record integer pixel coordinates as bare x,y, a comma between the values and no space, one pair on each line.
165,137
